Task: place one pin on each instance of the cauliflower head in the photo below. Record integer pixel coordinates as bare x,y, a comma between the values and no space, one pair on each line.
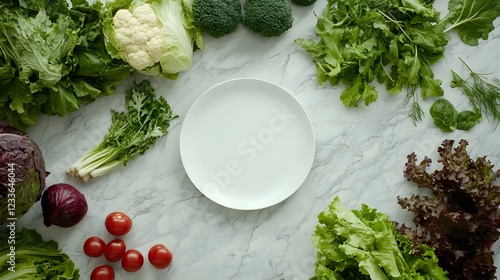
139,35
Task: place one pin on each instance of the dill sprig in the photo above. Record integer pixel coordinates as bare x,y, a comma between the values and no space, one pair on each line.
483,95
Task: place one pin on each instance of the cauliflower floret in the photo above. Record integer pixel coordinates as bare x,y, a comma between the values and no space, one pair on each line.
156,47
122,18
145,14
139,36
141,59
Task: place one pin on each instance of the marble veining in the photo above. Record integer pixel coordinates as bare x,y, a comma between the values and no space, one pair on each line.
360,156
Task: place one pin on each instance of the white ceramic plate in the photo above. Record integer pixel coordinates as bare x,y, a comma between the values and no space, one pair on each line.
247,144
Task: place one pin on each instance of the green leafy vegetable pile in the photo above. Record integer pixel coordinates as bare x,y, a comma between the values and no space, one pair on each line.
364,244
394,42
53,59
131,133
31,257
462,218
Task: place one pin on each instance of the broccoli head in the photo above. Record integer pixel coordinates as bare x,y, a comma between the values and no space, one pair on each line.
303,2
217,17
267,17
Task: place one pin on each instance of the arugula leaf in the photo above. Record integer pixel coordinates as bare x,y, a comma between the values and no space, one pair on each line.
364,244
472,19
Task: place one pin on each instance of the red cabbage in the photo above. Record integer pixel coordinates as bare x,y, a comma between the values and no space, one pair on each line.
22,172
63,205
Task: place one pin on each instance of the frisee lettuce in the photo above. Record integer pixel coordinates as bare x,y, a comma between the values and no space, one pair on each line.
364,244
461,220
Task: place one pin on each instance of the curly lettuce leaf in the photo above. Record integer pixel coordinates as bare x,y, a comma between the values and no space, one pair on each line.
462,218
364,244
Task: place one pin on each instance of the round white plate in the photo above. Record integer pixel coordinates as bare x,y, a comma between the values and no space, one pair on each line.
247,144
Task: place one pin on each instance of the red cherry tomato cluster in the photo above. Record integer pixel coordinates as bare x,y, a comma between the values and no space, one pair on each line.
119,224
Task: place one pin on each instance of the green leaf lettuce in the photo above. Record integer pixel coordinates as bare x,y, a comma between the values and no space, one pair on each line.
35,258
53,59
364,244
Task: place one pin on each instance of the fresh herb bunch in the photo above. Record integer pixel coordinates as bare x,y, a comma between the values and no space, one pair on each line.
394,42
131,133
462,218
483,95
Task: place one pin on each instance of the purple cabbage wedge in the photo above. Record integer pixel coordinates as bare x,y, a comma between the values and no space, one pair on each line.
22,172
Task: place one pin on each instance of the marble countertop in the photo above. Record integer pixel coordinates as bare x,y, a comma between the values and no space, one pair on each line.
360,157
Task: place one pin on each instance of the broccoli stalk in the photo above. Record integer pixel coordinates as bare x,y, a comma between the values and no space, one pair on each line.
217,17
130,133
267,17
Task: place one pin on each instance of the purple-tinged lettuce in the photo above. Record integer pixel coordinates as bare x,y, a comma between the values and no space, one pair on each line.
462,218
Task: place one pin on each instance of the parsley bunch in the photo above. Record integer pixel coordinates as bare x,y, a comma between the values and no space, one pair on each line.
391,41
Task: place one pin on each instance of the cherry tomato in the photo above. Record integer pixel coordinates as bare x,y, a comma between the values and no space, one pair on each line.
114,250
132,260
94,246
103,272
118,223
159,256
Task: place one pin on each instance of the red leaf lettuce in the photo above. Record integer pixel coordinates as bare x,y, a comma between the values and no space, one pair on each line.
462,218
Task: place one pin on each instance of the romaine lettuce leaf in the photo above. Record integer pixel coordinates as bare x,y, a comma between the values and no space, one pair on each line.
34,258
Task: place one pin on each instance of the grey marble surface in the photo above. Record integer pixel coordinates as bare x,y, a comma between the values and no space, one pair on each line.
360,157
